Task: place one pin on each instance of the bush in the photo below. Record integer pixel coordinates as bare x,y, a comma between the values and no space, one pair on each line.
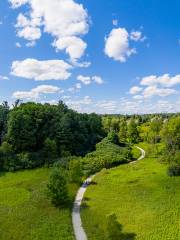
174,170
107,155
57,188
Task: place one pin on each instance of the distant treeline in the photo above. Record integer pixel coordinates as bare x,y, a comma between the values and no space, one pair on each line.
163,129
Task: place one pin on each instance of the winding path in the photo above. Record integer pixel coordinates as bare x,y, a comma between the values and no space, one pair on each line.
76,217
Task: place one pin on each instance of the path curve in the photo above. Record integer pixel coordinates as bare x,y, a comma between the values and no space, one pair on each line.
76,217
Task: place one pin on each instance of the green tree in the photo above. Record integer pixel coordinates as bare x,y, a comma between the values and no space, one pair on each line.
122,131
171,138
132,131
50,150
57,188
75,171
4,110
113,137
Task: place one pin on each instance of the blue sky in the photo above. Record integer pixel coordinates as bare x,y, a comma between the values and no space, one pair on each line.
116,57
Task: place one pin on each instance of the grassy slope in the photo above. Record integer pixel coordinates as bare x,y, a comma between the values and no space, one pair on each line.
26,213
145,200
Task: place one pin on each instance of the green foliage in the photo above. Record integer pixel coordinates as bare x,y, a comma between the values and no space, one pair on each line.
122,131
114,228
171,138
50,151
57,188
75,172
113,137
4,110
107,155
132,131
49,132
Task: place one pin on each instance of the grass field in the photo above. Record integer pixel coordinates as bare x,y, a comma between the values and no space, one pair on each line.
145,200
26,213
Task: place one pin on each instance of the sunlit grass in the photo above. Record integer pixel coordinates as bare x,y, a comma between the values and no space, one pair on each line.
145,200
25,211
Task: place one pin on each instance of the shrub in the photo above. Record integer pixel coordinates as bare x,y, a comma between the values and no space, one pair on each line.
57,188
107,155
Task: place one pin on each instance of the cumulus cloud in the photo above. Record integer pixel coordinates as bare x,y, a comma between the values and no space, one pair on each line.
74,46
155,91
135,90
35,93
41,70
65,20
4,77
117,45
86,80
165,80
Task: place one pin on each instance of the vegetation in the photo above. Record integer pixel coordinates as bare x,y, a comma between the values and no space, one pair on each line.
34,134
144,198
58,188
132,201
26,213
107,155
164,128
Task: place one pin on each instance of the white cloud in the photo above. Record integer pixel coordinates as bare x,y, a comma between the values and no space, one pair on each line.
41,70
4,77
35,93
18,45
31,44
17,3
97,80
74,46
78,86
65,20
86,80
117,45
135,90
138,97
165,80
155,91
137,36
115,22
81,105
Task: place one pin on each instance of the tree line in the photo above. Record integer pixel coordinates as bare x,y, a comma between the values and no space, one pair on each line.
162,129
34,134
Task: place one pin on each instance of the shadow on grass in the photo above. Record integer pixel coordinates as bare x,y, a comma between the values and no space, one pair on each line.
2,174
127,236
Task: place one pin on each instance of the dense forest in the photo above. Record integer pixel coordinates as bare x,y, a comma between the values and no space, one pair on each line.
33,134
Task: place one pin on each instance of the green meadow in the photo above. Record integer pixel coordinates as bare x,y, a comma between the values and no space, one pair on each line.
25,211
144,198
